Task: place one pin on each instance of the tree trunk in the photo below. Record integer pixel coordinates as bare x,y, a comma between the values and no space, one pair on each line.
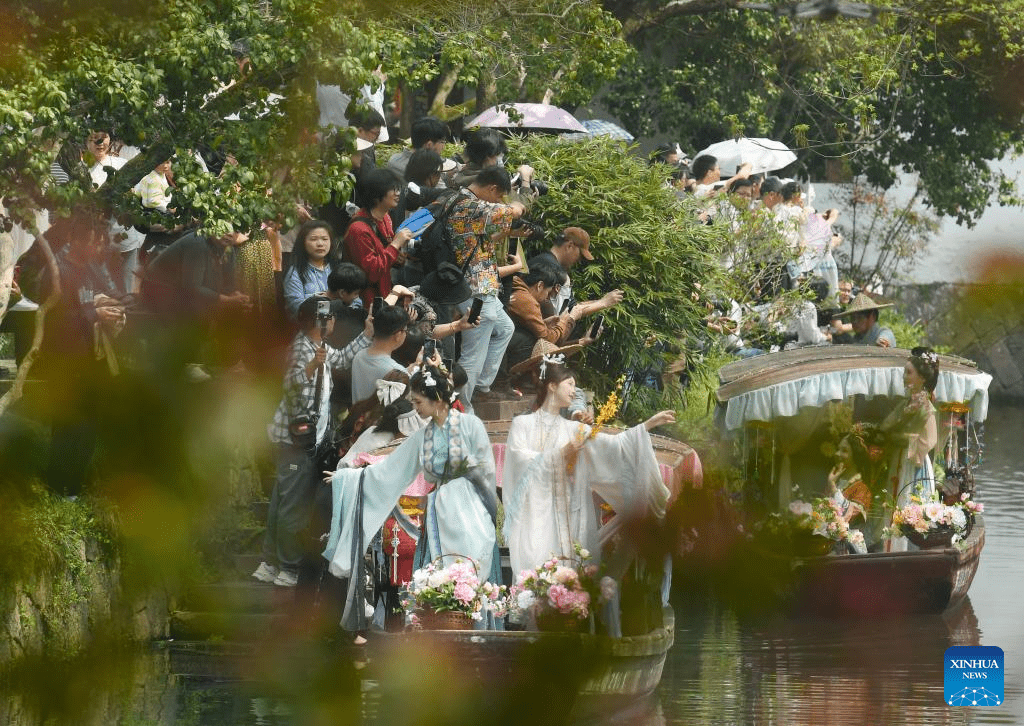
6,270
405,115
15,391
439,107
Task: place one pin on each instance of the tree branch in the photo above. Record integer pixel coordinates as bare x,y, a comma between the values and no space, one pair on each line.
677,8
15,391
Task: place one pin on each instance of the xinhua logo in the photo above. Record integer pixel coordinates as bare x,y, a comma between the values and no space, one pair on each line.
974,675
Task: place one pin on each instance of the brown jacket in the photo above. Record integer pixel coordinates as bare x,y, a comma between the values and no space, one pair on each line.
524,310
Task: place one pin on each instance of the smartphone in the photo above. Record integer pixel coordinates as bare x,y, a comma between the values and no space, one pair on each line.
474,312
565,307
595,329
378,303
429,347
323,309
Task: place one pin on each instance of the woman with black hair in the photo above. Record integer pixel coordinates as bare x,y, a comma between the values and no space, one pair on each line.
914,421
453,452
370,240
312,258
552,465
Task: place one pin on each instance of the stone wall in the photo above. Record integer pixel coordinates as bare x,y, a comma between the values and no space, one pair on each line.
59,613
982,322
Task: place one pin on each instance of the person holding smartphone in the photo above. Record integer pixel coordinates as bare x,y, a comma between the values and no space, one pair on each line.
307,396
479,221
370,240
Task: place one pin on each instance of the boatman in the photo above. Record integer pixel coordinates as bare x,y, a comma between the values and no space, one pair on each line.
863,314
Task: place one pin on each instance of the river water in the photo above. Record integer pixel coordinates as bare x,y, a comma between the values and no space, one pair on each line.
727,670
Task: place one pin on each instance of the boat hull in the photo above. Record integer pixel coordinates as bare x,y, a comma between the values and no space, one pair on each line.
886,583
598,675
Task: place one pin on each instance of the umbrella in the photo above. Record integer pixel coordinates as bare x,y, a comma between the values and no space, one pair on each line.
762,154
600,127
535,116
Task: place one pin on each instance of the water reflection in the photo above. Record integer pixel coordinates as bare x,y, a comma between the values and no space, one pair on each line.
787,671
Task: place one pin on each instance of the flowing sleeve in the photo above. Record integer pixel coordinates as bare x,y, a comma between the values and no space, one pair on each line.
525,467
383,484
623,470
483,476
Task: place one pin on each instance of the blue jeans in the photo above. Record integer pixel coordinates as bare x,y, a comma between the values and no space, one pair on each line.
484,346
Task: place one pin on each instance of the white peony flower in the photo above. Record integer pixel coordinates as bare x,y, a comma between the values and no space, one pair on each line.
525,600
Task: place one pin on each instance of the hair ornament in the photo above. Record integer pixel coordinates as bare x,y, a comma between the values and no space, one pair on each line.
389,391
557,359
428,380
930,356
451,398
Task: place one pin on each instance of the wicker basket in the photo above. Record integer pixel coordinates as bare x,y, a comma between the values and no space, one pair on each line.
555,622
448,620
941,537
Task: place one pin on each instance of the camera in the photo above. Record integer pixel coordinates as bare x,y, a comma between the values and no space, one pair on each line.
537,186
526,228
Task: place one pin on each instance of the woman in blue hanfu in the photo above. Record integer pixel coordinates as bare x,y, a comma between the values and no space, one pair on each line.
454,454
552,465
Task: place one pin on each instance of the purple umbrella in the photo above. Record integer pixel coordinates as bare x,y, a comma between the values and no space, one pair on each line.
535,116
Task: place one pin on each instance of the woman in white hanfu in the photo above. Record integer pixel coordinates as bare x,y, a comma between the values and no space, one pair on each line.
552,465
454,454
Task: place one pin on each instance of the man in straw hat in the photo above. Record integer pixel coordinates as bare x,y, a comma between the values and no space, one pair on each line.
863,315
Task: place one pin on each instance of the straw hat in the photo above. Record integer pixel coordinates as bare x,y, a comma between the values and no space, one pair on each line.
540,349
861,304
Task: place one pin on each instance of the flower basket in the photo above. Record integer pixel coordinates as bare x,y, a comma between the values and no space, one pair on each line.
943,524
552,621
452,597
447,620
939,537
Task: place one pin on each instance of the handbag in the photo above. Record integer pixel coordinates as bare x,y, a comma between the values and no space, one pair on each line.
302,429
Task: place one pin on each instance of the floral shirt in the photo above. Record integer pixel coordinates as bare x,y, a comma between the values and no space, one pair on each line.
472,219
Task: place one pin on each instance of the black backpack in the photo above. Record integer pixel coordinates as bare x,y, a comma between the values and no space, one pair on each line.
436,246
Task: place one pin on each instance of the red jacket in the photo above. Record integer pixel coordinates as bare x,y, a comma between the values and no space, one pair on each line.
372,252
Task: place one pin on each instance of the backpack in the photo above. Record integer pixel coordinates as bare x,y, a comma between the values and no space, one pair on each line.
436,245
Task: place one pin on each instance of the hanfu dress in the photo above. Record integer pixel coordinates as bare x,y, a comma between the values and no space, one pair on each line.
548,508
915,420
459,519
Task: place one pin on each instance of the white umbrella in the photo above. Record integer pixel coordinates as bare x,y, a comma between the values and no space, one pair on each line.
536,116
762,154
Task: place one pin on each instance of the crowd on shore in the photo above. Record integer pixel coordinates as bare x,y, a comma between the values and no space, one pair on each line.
381,327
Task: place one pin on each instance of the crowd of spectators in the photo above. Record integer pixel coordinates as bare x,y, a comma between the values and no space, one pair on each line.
230,303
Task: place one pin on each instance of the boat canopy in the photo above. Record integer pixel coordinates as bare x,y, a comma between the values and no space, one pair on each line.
764,388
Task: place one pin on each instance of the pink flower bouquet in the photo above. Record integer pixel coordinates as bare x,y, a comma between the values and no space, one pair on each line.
554,587
455,588
923,520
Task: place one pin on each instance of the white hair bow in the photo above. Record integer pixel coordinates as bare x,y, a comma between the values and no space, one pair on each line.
389,391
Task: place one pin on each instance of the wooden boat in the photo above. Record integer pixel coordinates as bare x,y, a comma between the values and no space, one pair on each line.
611,674
776,399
